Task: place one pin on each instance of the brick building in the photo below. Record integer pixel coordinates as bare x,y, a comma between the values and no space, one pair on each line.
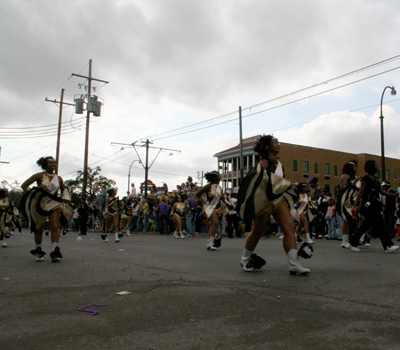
301,163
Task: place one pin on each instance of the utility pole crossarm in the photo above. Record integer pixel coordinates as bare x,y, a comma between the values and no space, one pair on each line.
145,164
64,103
83,76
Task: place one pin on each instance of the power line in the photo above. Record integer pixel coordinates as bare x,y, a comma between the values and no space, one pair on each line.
278,106
299,124
27,154
56,89
281,97
36,127
41,133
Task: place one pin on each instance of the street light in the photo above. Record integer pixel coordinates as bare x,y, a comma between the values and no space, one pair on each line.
129,173
393,93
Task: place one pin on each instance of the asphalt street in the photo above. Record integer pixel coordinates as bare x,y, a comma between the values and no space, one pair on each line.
185,297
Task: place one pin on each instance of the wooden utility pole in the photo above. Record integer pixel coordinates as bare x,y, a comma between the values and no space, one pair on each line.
85,165
146,169
61,102
241,144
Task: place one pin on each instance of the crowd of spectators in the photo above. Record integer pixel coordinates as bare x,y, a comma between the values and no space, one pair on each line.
154,213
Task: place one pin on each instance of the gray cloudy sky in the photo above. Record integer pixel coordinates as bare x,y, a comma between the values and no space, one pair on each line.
175,63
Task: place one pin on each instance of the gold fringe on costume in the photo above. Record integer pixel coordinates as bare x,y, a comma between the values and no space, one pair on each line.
37,205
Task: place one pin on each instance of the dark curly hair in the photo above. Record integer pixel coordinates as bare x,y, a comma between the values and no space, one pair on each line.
42,162
348,168
301,185
211,176
3,192
262,145
369,166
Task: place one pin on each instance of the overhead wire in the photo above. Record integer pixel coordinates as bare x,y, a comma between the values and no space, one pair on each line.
299,124
57,88
45,132
52,147
27,154
278,98
278,106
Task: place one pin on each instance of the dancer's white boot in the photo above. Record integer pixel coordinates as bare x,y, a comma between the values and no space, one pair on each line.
210,243
294,264
309,240
345,241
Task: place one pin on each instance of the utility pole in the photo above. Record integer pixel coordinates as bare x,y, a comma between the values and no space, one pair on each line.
85,165
241,144
61,102
146,166
146,169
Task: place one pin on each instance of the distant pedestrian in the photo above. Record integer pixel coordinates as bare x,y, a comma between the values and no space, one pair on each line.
178,215
349,186
83,211
190,213
133,190
9,216
369,207
389,209
163,216
213,197
112,215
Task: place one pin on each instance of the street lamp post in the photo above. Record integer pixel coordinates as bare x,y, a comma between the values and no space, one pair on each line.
129,174
393,93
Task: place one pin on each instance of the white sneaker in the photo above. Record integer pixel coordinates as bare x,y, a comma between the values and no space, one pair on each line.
346,245
4,244
355,249
128,233
182,235
176,234
391,249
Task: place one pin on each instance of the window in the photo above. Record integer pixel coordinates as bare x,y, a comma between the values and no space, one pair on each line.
295,166
387,175
379,173
395,175
335,170
316,168
305,167
327,170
